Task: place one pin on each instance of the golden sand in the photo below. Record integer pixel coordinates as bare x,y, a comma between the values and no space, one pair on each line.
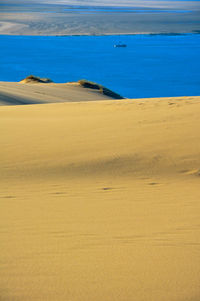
100,201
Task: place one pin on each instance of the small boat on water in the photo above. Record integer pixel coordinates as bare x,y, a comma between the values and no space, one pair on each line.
120,45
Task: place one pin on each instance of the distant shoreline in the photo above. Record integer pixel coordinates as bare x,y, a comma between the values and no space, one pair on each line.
99,24
197,32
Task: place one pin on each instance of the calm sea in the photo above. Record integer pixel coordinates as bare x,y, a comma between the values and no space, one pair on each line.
150,65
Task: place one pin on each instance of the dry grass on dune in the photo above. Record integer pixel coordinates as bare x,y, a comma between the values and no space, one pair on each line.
100,200
35,79
105,91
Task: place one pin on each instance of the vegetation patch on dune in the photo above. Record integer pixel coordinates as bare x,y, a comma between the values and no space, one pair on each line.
83,83
35,79
91,85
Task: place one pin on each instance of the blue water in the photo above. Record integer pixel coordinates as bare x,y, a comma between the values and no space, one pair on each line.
150,66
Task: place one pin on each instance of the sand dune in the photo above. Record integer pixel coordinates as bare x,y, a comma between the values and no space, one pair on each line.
100,200
27,92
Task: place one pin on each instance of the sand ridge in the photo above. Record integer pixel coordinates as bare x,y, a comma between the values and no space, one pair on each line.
33,93
99,200
141,131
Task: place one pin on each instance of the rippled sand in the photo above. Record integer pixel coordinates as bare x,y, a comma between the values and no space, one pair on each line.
100,201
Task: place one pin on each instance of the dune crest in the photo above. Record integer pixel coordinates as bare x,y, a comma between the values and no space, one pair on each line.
34,90
103,90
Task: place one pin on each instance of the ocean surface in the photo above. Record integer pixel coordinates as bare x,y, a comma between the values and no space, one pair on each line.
150,65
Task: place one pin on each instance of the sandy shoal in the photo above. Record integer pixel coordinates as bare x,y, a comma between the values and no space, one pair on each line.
100,201
65,23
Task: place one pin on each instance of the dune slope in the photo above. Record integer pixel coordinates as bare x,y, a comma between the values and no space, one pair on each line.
27,92
100,200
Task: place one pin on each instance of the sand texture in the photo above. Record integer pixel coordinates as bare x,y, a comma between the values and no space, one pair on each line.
100,200
34,93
